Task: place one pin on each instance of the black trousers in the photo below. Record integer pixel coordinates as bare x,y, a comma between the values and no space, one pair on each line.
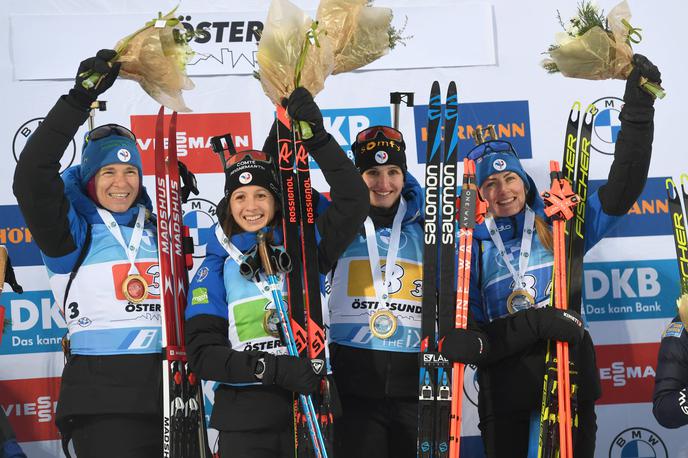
257,444
380,428
507,436
116,436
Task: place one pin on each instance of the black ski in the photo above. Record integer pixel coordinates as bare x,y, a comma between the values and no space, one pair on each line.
291,222
431,231
678,222
313,304
446,309
577,155
303,281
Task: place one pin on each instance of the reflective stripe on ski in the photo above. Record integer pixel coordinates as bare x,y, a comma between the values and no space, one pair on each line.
184,433
559,203
471,212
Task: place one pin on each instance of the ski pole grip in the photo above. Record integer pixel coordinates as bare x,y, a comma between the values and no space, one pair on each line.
263,253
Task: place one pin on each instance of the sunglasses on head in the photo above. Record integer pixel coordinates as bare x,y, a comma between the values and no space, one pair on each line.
371,132
491,147
108,130
254,155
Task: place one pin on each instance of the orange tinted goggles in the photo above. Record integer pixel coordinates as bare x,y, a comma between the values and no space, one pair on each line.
372,132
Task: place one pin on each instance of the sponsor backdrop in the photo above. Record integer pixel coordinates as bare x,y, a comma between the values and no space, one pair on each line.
488,47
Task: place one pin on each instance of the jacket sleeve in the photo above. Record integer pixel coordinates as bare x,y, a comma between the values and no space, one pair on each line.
340,223
669,403
37,184
207,323
632,153
508,336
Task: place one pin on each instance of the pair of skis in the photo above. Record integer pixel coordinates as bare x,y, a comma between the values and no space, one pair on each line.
558,409
444,307
303,287
678,222
184,433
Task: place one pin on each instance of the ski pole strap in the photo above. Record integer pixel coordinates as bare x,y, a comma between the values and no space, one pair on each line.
77,264
560,199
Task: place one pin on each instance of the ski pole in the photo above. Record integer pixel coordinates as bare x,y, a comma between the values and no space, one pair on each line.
396,98
559,202
306,400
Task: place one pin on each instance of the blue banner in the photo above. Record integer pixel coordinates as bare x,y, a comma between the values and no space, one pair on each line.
36,323
511,120
630,290
648,216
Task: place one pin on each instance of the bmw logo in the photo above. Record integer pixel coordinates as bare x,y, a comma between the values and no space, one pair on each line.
606,125
638,443
200,217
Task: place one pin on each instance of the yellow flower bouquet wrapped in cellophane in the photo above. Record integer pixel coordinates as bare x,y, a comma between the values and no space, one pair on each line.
594,47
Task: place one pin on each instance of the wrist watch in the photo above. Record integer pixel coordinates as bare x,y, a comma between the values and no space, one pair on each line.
259,371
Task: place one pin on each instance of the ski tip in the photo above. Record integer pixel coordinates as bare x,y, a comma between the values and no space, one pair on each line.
452,86
670,186
161,111
590,113
684,179
435,86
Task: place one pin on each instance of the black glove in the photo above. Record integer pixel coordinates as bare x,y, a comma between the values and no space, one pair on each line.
292,373
464,346
302,107
98,64
636,97
555,324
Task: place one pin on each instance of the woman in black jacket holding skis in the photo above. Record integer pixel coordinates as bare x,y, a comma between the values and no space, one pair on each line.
513,276
231,329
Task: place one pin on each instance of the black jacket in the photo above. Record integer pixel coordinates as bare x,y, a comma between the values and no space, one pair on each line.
90,384
512,374
263,407
669,402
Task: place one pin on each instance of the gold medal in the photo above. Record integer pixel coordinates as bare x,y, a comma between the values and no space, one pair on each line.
520,299
271,323
383,324
135,288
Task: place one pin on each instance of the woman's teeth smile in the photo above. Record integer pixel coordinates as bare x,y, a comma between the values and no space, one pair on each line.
253,218
119,195
506,201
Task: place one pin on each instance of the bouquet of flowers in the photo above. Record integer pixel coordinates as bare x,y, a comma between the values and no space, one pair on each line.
361,34
596,47
296,51
156,57
292,52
